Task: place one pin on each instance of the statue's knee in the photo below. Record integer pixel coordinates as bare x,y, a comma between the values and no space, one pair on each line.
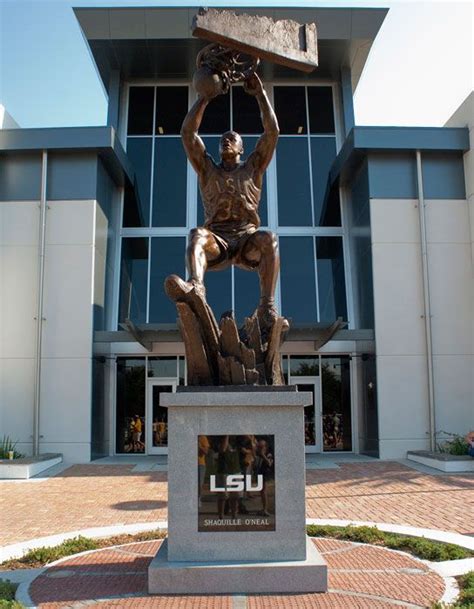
268,241
198,235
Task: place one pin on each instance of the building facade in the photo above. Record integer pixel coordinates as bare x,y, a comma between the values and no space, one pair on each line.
375,226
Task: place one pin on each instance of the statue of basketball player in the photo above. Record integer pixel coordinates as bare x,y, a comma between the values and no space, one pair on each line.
231,193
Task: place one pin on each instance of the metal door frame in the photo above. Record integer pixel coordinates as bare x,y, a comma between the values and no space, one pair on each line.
152,382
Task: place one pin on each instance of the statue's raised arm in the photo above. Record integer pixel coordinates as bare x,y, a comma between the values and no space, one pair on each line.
193,144
266,145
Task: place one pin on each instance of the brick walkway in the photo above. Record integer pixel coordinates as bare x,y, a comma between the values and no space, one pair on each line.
85,496
360,577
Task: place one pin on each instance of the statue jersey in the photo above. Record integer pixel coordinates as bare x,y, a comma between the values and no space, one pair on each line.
230,199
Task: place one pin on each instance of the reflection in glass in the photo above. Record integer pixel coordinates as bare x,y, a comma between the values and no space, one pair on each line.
167,257
169,183
160,416
171,108
181,370
304,365
130,421
133,280
294,194
247,293
290,108
162,367
331,279
216,116
323,153
219,290
298,287
336,388
321,112
245,112
140,110
309,416
139,153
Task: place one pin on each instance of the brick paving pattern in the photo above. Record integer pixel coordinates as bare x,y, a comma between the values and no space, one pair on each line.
360,577
85,496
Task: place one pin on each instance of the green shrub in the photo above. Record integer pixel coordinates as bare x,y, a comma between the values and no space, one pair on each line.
7,595
457,445
7,445
68,547
420,547
466,595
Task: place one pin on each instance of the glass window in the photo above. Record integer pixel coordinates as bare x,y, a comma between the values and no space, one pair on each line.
321,111
171,108
323,153
304,365
139,153
216,116
181,370
245,112
247,293
219,291
140,110
298,288
130,435
330,214
290,108
331,280
336,385
294,194
167,257
169,183
162,367
133,280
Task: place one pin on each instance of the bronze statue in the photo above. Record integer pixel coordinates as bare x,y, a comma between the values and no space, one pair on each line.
231,193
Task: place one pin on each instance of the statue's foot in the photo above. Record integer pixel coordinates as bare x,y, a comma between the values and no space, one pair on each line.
178,289
267,315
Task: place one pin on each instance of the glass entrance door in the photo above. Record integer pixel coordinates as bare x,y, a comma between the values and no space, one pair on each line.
157,416
312,413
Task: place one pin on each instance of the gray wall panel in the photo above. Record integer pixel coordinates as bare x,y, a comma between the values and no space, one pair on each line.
392,176
72,175
443,175
20,176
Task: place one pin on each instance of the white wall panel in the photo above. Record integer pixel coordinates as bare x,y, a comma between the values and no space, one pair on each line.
452,298
402,397
70,223
67,331
65,400
18,300
394,221
16,398
398,299
447,221
19,222
454,391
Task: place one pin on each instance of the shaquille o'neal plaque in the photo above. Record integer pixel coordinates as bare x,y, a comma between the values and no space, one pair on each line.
236,483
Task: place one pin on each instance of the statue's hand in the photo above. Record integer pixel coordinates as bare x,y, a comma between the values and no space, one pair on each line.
253,85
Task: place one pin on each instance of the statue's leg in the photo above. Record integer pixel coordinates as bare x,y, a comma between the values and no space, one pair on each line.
260,253
202,249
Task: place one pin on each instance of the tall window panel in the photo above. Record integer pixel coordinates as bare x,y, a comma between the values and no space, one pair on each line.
154,147
130,414
331,279
167,257
133,280
305,153
336,388
297,277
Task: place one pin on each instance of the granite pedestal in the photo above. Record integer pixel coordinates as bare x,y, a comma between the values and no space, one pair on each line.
236,561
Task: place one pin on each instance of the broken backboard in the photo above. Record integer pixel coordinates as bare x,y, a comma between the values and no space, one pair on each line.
285,42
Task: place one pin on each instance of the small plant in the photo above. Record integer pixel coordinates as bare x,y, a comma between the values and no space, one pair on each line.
71,546
7,595
7,446
456,445
420,547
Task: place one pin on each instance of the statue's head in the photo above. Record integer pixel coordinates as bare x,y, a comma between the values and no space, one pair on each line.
231,145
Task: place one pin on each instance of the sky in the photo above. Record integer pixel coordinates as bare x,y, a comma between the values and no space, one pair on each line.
420,68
